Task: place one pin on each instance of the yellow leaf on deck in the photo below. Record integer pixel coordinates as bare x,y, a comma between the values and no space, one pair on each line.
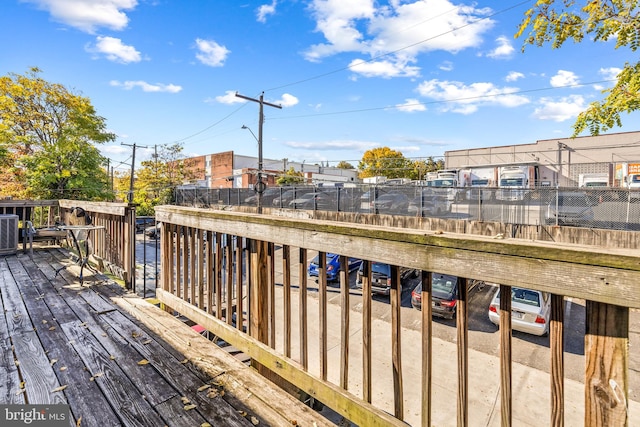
185,361
53,361
204,387
189,407
64,368
78,422
205,425
62,387
143,362
53,328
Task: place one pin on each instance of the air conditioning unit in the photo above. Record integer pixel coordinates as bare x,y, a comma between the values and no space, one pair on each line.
8,234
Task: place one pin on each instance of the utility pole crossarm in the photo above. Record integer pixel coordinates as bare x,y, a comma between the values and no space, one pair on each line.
259,184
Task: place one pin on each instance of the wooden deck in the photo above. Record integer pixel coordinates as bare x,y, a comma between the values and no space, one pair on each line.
62,343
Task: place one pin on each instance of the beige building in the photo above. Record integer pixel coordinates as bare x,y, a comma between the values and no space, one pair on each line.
560,161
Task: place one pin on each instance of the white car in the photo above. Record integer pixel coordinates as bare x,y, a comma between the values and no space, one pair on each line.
530,311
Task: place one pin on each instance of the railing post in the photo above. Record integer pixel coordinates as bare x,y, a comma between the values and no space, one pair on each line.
606,365
130,247
259,291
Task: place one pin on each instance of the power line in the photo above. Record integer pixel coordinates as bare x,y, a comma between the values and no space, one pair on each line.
444,101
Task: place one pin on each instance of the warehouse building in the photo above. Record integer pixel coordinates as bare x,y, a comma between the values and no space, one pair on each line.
561,161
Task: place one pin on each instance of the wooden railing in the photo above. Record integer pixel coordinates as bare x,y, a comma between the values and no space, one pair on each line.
115,247
219,269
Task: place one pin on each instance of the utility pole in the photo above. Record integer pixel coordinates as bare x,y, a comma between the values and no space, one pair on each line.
133,165
260,186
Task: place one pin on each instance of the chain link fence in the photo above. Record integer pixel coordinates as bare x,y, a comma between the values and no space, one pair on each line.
606,208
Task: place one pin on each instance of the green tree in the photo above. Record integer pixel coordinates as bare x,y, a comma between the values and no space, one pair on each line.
419,168
156,179
558,21
290,177
50,135
386,162
344,165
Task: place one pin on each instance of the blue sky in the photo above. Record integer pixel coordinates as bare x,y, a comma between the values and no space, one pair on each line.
420,77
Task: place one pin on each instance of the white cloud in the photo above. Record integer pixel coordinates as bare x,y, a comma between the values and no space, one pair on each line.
266,10
88,15
400,30
333,145
229,97
560,110
466,99
564,78
385,69
211,53
610,73
114,50
287,100
411,105
446,66
513,76
146,87
503,50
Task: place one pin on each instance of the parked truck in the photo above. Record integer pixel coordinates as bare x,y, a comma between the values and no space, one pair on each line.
628,176
448,180
516,182
481,182
594,180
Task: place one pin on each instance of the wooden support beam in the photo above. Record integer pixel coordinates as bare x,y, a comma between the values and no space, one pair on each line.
607,363
462,320
556,342
344,325
427,349
396,342
505,356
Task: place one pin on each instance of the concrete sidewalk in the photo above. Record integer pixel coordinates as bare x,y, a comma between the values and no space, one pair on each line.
531,387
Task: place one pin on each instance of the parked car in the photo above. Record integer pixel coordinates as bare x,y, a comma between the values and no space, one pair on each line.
313,201
381,277
390,203
444,295
530,311
429,204
267,196
570,208
333,266
142,222
282,201
153,232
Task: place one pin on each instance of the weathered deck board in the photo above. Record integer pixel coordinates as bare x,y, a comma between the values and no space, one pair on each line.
82,393
36,371
122,394
65,334
9,377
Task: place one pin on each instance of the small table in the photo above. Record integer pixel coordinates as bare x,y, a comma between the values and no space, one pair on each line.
83,258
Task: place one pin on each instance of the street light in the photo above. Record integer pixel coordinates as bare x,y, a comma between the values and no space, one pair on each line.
249,129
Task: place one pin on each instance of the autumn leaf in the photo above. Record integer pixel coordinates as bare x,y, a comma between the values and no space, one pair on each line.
62,387
189,407
204,387
143,362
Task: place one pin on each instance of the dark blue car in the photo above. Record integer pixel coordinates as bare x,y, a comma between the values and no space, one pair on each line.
333,266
